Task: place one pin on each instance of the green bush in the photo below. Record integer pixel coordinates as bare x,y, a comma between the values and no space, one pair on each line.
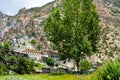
2,54
111,71
1,46
23,43
3,70
85,65
33,41
50,61
39,46
7,45
56,64
10,58
25,66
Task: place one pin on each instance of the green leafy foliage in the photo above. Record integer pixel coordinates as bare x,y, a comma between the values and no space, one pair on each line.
24,44
50,61
111,71
10,60
33,41
56,64
74,29
85,65
3,70
2,54
7,45
1,46
16,63
39,46
24,66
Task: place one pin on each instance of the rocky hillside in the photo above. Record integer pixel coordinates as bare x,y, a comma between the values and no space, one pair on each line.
109,12
25,26
21,29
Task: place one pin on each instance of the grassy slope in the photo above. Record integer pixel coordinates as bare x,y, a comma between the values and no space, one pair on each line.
46,77
92,76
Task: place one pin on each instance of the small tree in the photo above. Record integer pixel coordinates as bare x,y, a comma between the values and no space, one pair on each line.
50,61
7,45
85,65
24,66
3,70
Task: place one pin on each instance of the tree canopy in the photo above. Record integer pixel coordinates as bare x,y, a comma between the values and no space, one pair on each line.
74,29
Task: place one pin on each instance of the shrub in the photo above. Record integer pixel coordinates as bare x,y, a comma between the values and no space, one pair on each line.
39,46
50,61
24,66
56,64
1,46
2,54
39,66
10,58
7,45
3,70
85,65
111,71
23,43
33,41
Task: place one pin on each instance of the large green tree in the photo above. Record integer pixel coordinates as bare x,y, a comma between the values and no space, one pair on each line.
74,29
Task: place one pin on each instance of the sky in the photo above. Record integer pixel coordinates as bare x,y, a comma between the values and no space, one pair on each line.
11,7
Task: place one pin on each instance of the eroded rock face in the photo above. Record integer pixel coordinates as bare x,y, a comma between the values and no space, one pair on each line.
22,11
22,28
25,26
109,13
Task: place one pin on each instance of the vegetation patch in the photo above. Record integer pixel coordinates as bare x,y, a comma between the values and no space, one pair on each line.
85,65
111,71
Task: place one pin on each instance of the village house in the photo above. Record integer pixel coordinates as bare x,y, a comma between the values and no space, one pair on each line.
41,55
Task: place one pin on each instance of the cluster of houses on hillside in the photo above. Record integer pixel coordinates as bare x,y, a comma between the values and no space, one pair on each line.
40,55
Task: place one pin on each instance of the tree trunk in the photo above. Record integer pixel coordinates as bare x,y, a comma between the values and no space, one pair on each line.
78,64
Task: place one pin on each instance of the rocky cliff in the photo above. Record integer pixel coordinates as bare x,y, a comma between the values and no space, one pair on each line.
25,26
109,13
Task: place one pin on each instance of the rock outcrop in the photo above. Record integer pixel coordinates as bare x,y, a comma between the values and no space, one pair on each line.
22,11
